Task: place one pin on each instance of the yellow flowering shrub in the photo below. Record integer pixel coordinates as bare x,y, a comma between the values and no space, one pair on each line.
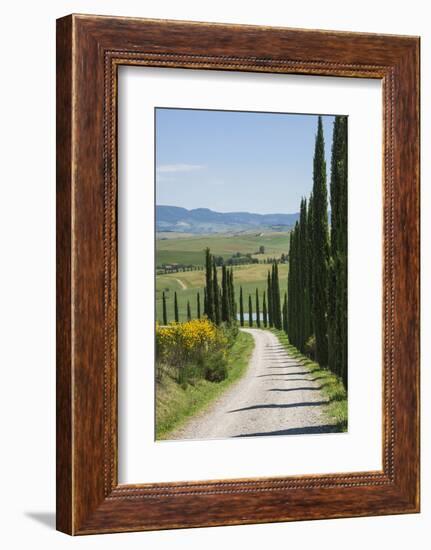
178,340
193,342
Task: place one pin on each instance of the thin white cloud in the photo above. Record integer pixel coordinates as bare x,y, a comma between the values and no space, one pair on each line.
175,168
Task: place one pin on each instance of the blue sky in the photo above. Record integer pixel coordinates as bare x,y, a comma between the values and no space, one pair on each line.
236,161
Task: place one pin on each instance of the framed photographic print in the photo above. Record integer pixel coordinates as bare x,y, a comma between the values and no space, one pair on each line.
237,274
222,278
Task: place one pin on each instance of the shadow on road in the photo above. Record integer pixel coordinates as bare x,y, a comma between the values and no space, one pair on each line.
293,380
282,364
286,373
281,406
325,428
297,389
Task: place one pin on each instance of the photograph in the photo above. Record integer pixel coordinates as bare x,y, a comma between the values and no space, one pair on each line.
251,274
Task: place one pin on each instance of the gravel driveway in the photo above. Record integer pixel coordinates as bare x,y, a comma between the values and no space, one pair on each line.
276,396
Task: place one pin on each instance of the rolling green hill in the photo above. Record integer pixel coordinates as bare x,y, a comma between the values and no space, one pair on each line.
191,250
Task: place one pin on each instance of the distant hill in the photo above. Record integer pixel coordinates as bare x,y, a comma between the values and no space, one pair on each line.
204,220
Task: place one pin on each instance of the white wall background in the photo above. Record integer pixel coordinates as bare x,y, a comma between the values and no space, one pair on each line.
27,279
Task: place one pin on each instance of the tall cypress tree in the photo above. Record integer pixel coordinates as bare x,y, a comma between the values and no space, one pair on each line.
337,295
232,297
165,314
269,291
310,278
189,313
219,302
229,297
257,309
198,305
333,337
285,313
320,248
293,288
276,306
241,308
273,297
216,296
176,316
303,278
209,286
225,295
290,289
250,312
333,342
205,301
299,281
265,313
297,287
342,304
280,321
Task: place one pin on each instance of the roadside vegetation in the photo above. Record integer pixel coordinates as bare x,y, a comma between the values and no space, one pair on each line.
317,285
183,391
331,384
193,350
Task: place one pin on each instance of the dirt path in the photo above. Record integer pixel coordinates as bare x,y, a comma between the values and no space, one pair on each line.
180,282
276,396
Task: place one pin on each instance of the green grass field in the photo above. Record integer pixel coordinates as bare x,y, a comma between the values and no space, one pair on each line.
190,250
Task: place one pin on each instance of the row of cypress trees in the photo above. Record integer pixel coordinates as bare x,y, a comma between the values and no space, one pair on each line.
250,309
300,280
272,312
266,320
274,302
317,280
219,301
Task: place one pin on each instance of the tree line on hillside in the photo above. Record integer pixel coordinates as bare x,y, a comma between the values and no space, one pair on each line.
317,280
165,269
236,259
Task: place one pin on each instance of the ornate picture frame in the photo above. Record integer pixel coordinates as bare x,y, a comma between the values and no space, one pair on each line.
89,51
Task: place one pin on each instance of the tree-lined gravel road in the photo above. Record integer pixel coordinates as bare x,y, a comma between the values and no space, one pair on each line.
276,396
